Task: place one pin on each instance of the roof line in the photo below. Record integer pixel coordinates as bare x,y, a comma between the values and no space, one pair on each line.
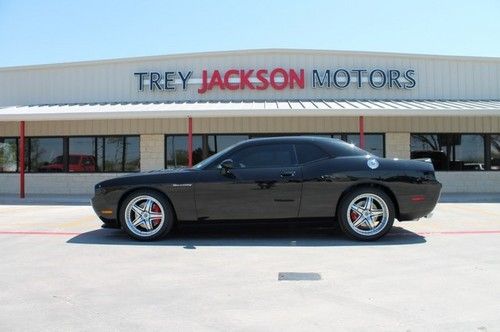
246,52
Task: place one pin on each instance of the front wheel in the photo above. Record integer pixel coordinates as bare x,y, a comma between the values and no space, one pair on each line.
146,215
366,214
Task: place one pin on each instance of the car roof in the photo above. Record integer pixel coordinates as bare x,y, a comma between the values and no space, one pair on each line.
289,139
333,146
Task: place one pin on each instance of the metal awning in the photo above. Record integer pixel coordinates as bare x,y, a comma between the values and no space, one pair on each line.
251,108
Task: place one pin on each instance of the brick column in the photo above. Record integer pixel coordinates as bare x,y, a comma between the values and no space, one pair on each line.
152,152
397,145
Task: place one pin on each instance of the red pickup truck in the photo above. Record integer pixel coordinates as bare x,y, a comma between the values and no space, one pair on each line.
77,163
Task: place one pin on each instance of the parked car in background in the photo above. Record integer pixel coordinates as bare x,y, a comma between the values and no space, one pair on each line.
76,163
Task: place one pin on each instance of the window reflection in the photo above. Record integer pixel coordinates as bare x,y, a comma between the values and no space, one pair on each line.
177,153
495,152
82,152
113,154
132,154
374,143
8,154
46,155
73,154
454,152
224,141
205,145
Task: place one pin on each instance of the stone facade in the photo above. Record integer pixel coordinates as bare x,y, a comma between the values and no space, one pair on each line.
152,152
397,145
55,183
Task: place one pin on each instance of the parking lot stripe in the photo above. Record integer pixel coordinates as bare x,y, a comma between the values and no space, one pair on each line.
39,233
475,232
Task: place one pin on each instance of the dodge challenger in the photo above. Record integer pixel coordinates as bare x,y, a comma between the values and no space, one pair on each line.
279,178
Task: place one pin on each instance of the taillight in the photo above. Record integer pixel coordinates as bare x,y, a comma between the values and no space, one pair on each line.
417,198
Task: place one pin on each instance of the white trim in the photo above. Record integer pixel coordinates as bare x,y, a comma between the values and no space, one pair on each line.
308,108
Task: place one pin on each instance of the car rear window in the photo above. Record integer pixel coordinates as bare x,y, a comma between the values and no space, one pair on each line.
309,152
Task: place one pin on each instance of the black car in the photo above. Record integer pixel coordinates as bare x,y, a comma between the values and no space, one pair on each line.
284,178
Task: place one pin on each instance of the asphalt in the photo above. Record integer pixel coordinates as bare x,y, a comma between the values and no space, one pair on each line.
60,271
49,199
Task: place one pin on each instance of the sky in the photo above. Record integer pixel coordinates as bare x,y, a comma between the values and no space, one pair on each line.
38,32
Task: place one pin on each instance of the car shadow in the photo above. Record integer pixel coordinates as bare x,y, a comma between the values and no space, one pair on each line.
261,235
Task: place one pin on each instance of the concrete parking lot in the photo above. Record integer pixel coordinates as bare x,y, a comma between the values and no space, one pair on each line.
60,270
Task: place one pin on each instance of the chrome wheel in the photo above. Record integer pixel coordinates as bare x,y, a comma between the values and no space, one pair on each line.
367,214
144,216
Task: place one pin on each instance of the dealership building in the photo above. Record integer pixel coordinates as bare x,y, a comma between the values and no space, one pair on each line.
64,127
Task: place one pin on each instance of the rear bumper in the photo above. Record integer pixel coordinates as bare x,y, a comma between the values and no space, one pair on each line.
420,203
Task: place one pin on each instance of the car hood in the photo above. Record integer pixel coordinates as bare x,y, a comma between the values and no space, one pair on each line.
167,175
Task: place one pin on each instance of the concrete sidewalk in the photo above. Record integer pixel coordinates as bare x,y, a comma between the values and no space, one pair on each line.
85,199
45,200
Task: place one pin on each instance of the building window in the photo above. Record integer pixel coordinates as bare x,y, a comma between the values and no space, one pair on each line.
132,154
121,154
113,156
73,154
495,152
176,154
374,143
225,141
205,145
46,155
82,154
8,155
450,152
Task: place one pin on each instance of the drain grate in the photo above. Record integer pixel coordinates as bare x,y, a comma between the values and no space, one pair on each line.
297,276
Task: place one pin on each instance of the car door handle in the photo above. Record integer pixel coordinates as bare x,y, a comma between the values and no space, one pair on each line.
287,174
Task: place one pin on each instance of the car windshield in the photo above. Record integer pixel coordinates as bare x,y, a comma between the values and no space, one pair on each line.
213,157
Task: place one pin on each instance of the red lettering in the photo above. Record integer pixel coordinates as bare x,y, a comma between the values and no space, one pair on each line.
279,85
227,76
262,79
204,79
216,79
299,79
244,79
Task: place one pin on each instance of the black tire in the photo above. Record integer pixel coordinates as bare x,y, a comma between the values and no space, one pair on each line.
159,232
346,225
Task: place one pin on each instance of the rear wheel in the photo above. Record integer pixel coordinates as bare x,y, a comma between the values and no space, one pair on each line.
146,215
366,214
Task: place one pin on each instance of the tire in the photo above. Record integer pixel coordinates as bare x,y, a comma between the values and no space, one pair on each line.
146,215
362,223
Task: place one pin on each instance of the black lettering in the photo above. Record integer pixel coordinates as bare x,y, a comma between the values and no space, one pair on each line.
169,80
359,75
381,74
393,78
154,78
345,74
141,80
317,78
408,75
185,79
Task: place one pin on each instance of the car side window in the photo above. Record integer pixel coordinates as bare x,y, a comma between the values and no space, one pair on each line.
309,152
269,155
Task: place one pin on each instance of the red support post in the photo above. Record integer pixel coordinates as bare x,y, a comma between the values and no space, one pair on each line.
21,159
361,132
190,141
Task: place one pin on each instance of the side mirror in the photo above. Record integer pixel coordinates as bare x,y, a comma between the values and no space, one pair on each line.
226,166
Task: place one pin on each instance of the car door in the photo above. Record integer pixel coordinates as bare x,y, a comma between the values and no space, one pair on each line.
265,183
